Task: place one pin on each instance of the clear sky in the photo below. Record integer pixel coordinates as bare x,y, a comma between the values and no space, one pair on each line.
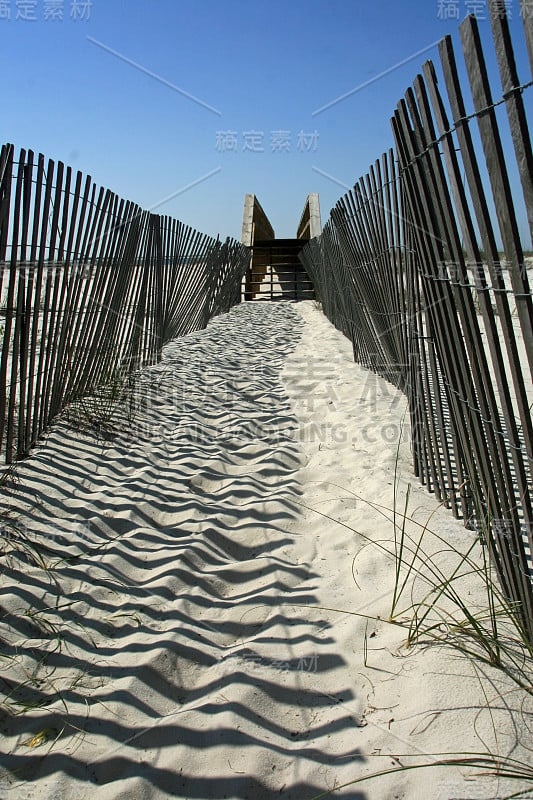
152,98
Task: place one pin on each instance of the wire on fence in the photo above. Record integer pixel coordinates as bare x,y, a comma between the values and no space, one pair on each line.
91,288
391,269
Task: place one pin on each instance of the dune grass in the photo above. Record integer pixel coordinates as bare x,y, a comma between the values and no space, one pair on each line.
96,410
432,605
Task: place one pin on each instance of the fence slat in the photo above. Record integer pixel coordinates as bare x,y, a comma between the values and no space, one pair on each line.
400,270
514,102
95,288
527,20
7,404
501,189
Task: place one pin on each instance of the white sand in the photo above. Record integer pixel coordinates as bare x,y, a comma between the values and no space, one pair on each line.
193,654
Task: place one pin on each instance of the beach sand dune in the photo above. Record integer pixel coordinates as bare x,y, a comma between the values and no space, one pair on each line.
184,635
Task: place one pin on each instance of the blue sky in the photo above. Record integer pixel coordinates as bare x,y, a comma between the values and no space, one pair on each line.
265,66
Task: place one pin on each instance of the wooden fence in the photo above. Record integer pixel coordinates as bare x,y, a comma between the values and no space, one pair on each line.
91,287
408,267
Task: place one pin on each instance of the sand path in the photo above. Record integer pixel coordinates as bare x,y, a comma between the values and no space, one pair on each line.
179,640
